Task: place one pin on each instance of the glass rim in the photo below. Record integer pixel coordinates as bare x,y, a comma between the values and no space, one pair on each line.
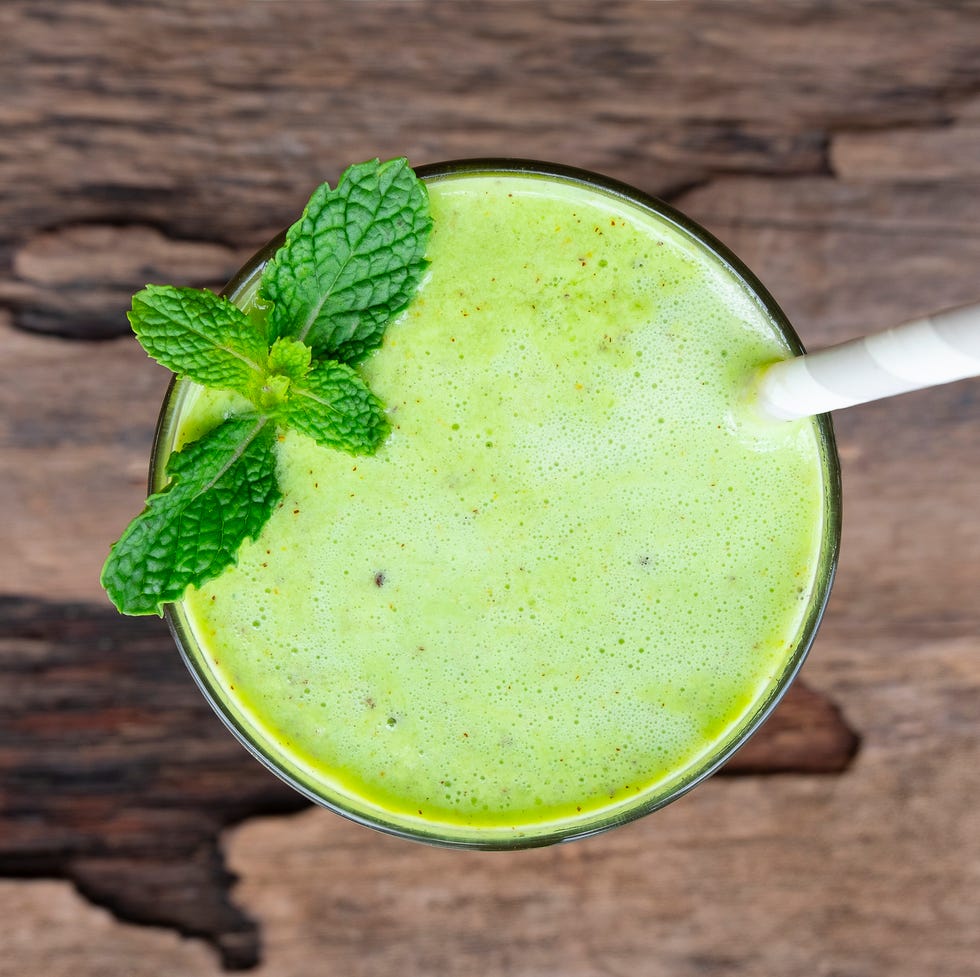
656,796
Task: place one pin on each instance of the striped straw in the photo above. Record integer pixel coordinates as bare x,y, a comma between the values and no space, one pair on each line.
924,353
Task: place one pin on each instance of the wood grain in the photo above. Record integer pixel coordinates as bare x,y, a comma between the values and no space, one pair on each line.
116,774
208,122
834,146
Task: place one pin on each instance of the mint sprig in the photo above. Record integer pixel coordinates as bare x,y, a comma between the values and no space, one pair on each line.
350,264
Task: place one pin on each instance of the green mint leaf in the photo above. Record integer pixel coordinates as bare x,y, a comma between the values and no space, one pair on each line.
290,358
199,335
334,406
352,261
222,491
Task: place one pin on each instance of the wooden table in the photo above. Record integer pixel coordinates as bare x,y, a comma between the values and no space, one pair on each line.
835,147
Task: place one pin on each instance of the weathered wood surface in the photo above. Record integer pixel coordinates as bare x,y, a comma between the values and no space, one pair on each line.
117,775
835,147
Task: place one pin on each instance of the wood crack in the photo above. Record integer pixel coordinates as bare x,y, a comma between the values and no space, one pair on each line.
76,280
118,777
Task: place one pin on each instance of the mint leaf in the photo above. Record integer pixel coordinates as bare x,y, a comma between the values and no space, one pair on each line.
199,335
334,406
351,262
222,491
289,358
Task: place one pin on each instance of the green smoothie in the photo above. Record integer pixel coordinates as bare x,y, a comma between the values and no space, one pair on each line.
571,576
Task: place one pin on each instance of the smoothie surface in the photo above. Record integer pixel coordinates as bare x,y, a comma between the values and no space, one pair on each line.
571,570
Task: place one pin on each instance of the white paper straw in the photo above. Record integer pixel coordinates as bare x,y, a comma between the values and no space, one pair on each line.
924,353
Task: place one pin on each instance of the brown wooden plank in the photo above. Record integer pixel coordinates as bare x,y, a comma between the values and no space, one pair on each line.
48,928
909,155
123,116
832,145
76,426
115,773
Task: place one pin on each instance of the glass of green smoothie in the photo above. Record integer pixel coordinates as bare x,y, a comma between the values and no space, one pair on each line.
575,578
